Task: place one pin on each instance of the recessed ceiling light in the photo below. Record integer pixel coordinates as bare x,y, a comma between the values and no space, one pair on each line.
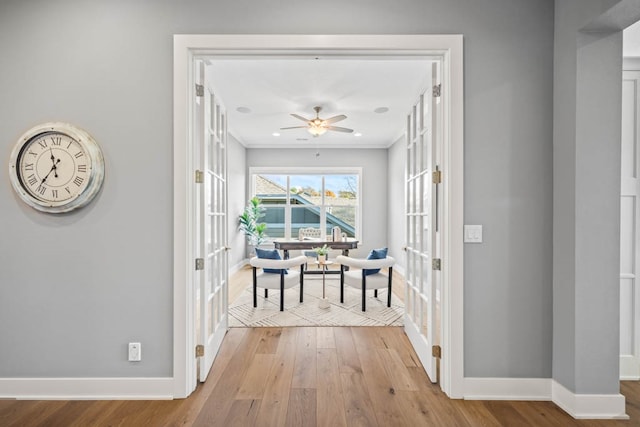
357,134
243,110
381,110
302,139
275,134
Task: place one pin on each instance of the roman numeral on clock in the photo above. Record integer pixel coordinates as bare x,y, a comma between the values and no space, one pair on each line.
78,154
41,189
56,140
82,168
42,143
78,180
54,193
31,179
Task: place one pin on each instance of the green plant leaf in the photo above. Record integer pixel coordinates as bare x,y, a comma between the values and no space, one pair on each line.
248,222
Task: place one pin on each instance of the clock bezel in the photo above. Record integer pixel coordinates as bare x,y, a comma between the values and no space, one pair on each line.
90,147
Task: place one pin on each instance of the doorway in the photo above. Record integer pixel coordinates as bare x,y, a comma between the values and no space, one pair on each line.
188,48
629,231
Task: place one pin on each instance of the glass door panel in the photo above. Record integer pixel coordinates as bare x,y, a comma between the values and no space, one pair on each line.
420,319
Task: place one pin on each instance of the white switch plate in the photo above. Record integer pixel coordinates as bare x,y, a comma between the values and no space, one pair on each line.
135,352
473,234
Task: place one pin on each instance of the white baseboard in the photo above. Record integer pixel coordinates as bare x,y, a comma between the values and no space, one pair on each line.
629,368
239,266
507,389
589,406
399,269
86,388
579,406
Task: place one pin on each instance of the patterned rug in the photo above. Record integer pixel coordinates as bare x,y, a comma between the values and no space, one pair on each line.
243,314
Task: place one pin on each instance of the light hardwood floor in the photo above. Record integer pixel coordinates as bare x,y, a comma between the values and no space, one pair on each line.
313,376
309,377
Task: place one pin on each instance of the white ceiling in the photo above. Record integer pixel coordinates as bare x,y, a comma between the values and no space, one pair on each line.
272,89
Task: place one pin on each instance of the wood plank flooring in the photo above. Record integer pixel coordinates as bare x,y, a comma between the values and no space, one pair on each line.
309,377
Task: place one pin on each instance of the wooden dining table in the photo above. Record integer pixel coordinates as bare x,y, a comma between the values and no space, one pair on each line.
294,244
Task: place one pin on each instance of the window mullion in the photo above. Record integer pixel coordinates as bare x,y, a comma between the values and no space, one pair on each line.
323,210
287,210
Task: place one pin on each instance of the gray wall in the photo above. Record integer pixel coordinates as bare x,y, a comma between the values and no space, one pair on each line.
237,200
586,263
396,179
104,274
374,182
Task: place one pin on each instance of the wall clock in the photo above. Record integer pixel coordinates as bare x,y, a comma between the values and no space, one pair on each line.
56,167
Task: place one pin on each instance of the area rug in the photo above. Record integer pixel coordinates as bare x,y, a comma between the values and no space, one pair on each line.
243,314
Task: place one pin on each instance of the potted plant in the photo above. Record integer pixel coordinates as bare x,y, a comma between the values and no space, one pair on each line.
249,222
322,253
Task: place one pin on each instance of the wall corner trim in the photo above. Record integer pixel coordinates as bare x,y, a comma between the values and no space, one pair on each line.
87,388
579,406
588,406
507,389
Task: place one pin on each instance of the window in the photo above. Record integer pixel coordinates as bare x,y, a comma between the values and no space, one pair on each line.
302,198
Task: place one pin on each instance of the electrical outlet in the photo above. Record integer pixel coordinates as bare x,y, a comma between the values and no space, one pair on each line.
135,352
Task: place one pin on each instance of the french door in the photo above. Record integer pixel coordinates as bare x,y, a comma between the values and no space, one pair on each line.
211,222
423,225
629,230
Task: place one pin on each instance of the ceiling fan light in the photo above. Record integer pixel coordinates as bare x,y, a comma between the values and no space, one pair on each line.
316,130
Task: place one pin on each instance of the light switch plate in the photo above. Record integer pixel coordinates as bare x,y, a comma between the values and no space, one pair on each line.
473,234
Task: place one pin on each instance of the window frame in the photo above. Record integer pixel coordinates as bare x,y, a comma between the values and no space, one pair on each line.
311,170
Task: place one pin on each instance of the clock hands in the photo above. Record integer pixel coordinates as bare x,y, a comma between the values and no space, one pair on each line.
53,169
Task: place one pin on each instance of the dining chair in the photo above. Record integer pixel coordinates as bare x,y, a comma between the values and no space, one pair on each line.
364,279
283,277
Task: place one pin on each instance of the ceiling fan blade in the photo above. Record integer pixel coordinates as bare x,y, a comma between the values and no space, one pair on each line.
295,127
335,119
339,129
300,118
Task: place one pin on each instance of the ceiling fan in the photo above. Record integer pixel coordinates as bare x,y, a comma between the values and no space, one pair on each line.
318,126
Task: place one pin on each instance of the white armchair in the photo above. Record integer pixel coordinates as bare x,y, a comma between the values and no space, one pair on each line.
280,281
357,278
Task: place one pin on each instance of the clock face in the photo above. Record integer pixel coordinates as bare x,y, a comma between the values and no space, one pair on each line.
56,168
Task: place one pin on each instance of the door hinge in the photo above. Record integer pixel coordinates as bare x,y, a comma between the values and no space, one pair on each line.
199,350
436,351
199,264
199,90
199,177
437,89
436,264
436,176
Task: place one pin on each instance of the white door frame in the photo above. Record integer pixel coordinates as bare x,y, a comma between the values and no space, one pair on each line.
188,46
629,231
